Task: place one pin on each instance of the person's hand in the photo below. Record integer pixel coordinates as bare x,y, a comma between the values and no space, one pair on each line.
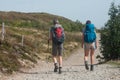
82,45
49,40
96,46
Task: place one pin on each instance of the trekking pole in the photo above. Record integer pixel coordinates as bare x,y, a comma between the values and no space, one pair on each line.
48,45
3,31
48,52
48,38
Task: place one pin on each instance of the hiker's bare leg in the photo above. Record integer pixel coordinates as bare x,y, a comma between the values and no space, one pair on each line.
60,64
86,55
55,63
55,59
86,59
92,59
60,61
92,56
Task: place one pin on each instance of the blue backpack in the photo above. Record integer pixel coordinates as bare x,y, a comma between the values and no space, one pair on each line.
89,33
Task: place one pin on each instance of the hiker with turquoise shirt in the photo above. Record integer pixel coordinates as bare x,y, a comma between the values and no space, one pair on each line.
57,37
89,43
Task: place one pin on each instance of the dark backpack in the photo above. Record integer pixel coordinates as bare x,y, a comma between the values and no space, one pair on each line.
89,33
58,35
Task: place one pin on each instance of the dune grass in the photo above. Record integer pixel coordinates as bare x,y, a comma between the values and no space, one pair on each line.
14,56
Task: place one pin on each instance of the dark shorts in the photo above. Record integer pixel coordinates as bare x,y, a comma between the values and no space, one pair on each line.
57,50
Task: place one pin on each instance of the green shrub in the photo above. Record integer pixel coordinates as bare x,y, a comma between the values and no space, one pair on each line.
110,35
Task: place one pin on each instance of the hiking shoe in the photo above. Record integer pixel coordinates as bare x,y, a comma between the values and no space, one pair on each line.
86,65
60,71
55,69
91,68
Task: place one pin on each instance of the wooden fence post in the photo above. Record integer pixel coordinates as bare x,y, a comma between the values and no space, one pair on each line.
22,40
3,31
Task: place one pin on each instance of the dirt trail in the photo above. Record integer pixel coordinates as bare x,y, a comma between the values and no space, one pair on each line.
73,69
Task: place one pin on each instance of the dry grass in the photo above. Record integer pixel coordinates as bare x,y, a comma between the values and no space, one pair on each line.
115,63
13,55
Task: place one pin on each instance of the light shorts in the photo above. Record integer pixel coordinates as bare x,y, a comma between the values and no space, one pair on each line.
57,50
88,46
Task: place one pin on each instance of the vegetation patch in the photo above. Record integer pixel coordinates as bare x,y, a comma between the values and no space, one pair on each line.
110,35
115,63
25,39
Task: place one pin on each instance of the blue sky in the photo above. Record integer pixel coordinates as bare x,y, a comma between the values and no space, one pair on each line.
82,10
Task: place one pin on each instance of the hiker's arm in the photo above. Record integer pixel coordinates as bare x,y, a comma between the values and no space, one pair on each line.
96,44
96,41
50,35
82,38
64,33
